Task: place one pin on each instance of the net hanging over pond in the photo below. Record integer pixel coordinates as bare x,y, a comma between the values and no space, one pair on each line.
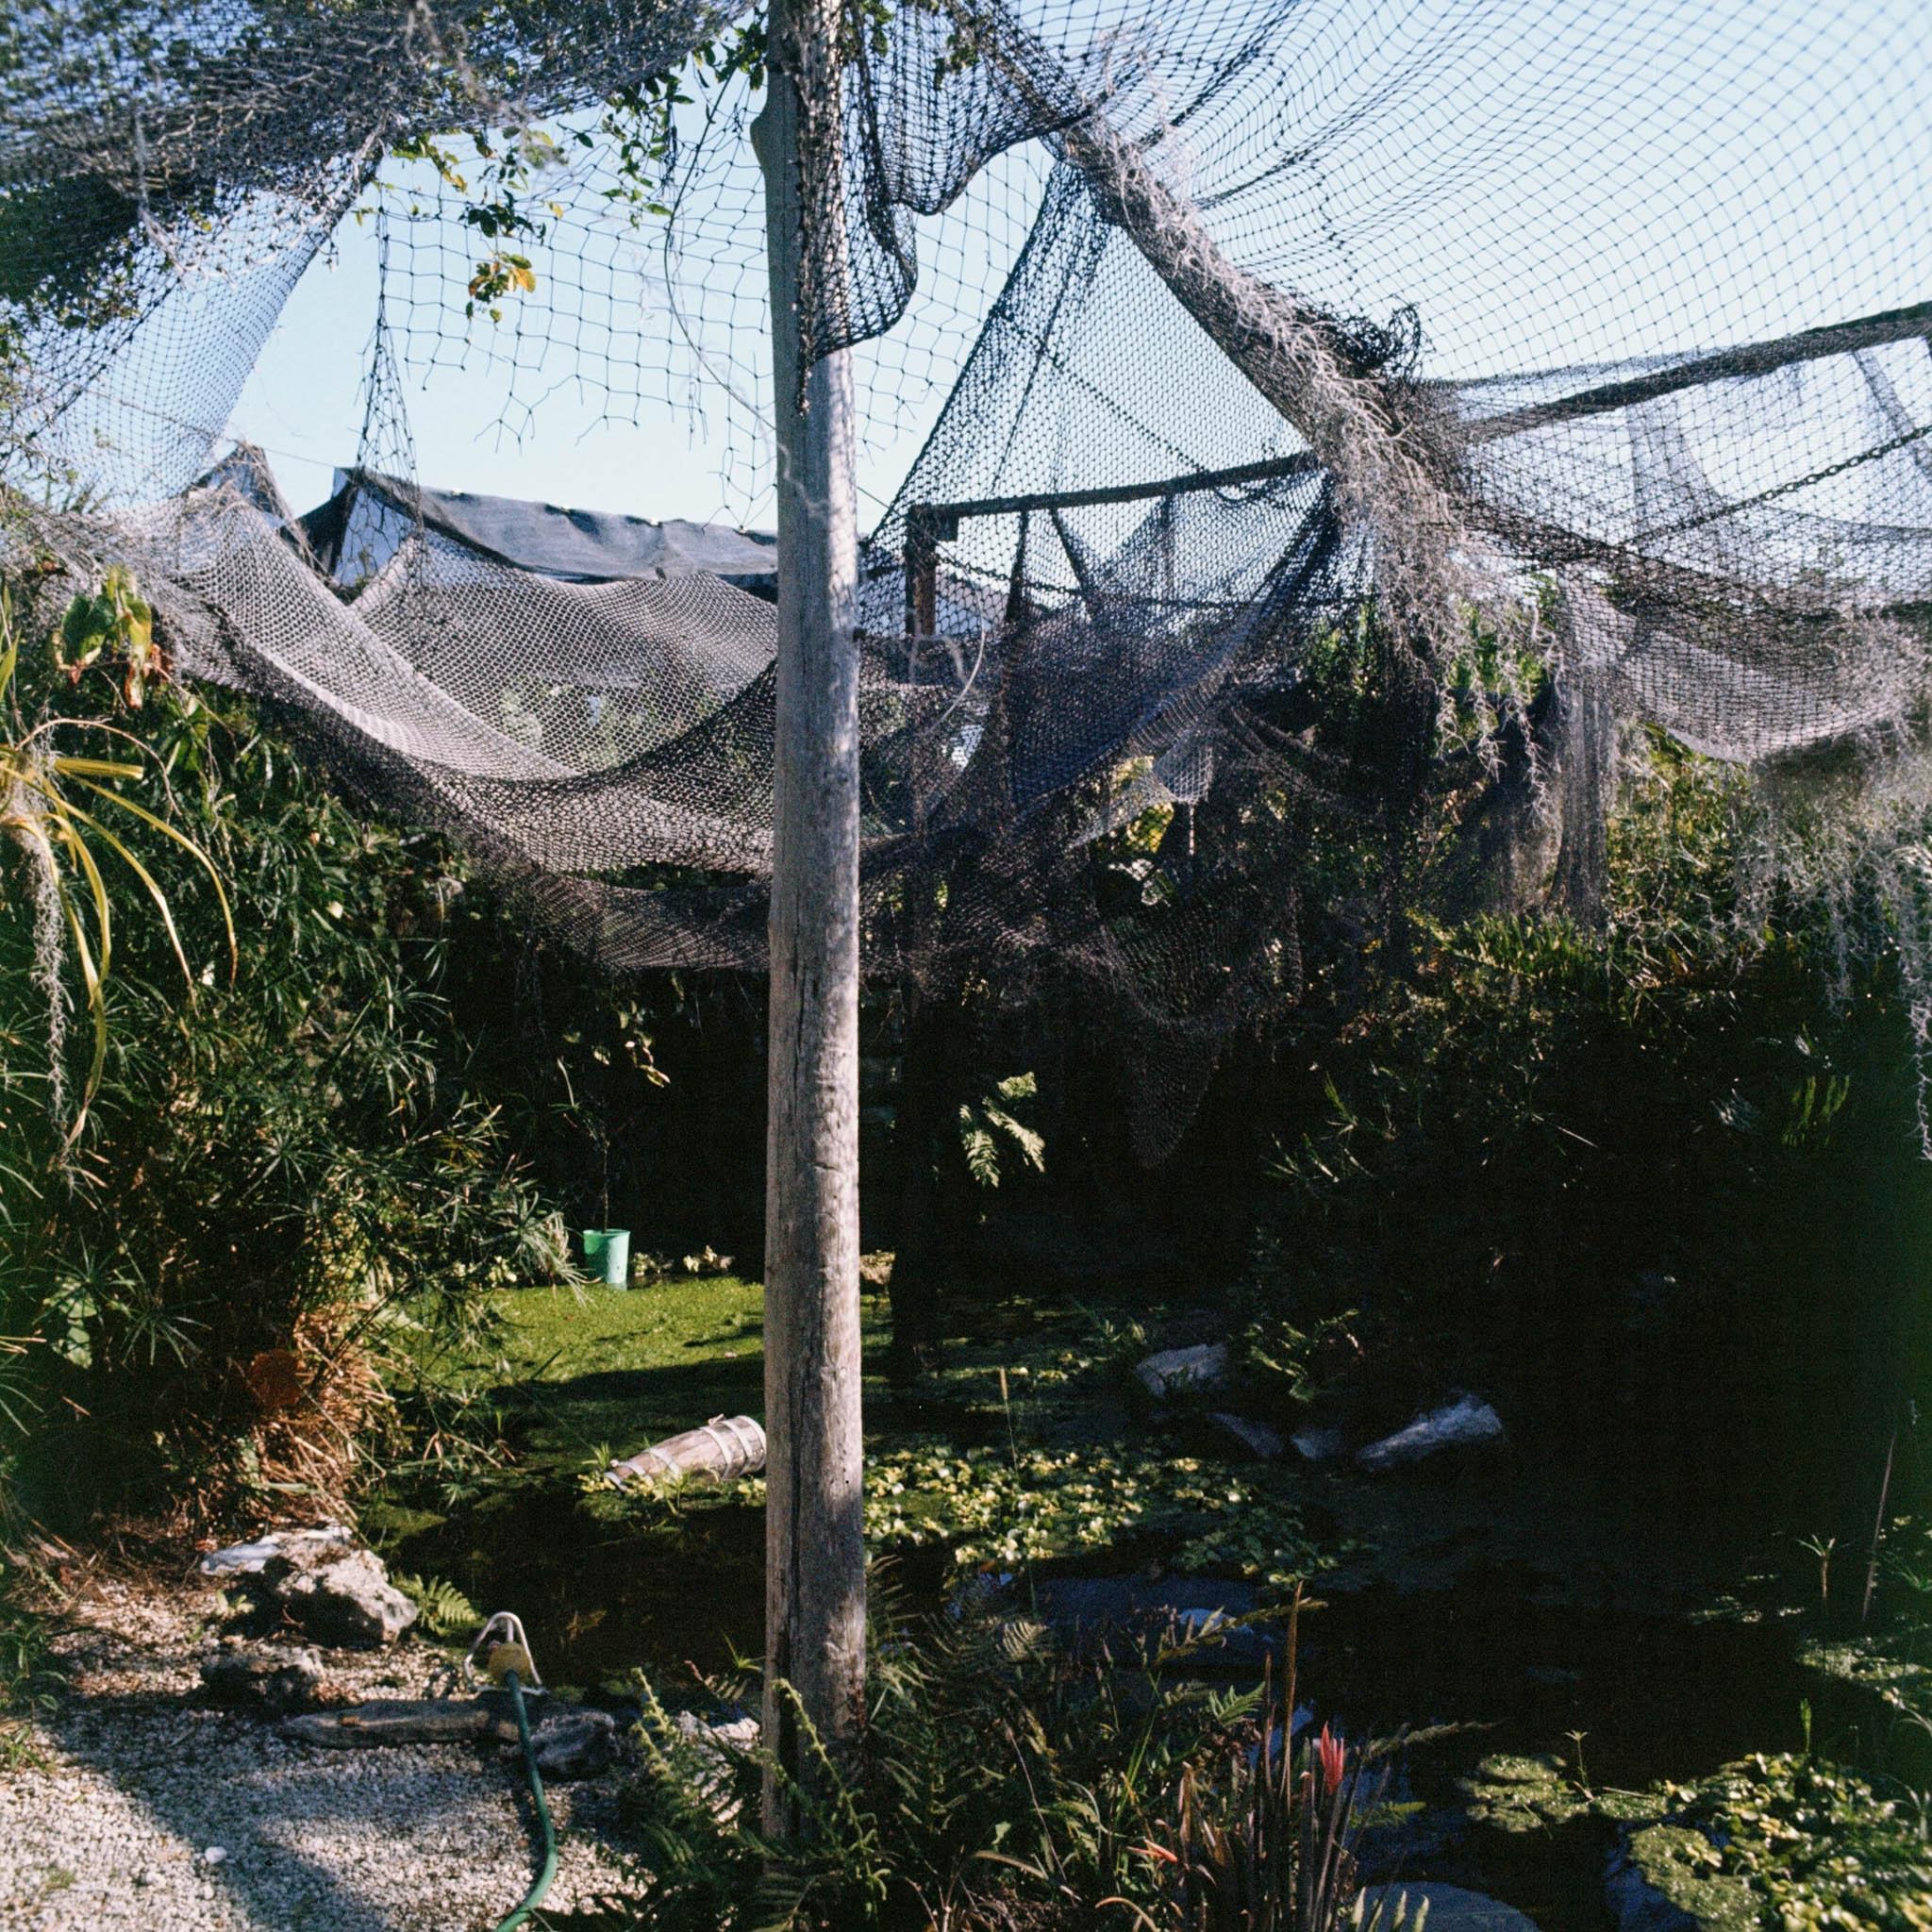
1571,366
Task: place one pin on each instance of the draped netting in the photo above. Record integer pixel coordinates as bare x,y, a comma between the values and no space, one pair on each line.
1579,358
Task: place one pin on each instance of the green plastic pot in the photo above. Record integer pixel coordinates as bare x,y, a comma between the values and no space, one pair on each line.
609,1246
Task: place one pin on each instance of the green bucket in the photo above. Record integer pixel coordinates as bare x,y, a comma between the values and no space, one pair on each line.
611,1247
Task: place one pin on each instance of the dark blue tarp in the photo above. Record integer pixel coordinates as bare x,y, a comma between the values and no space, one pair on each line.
356,531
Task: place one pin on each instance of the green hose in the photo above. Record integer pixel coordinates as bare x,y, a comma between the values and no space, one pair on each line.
534,1897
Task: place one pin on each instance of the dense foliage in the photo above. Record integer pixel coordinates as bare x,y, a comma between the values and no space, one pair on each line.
1660,1166
284,1170
1008,1781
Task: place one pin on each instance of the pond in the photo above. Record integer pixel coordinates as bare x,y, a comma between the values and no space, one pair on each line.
1621,1697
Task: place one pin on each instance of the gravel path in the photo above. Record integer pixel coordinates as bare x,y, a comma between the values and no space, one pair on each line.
155,1812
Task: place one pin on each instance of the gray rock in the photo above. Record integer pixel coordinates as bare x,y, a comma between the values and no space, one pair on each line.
1451,1908
1092,1610
277,1678
1254,1438
1201,1369
1457,1423
298,1546
577,1743
1317,1446
347,1601
734,1734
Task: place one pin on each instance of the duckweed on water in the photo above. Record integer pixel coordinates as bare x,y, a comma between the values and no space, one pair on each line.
1781,1843
1820,1849
1007,1506
1000,1508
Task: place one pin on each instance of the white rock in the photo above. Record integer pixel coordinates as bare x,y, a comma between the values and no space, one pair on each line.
1204,1367
1463,1421
1450,1907
296,1545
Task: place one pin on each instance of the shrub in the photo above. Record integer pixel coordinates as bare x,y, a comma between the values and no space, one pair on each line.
282,1181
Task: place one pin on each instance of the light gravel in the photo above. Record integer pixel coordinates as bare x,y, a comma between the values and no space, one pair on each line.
154,1812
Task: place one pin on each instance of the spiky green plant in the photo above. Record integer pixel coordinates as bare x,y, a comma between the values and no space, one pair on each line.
1268,1844
51,804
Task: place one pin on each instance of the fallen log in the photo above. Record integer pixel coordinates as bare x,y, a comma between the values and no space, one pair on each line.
408,1720
723,1449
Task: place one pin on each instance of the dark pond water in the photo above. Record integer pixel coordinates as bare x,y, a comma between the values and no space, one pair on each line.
1651,1696
1637,1698
603,1598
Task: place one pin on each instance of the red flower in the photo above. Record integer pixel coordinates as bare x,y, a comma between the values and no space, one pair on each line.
1332,1762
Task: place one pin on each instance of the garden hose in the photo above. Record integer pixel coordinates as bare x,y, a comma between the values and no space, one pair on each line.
548,1871
505,1652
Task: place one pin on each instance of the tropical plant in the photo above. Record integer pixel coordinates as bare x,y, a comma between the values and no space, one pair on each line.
1269,1844
50,812
284,1192
1006,1781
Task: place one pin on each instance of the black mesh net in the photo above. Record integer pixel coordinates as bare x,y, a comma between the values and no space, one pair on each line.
1225,332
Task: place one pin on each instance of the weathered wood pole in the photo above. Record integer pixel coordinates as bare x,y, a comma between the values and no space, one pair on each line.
814,1541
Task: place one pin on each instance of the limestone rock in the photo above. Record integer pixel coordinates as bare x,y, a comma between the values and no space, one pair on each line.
1457,1423
733,1735
348,1600
1201,1369
1451,1908
272,1678
301,1547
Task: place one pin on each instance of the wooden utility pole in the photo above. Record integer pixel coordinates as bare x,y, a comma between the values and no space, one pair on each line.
814,1533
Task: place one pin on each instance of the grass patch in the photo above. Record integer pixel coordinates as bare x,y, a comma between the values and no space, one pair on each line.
603,1369
578,1373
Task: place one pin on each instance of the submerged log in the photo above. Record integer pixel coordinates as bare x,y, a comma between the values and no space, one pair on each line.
725,1448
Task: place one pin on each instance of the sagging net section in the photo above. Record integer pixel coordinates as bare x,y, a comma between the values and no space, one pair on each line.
1551,369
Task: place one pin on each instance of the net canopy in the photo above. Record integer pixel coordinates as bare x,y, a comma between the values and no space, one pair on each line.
1575,356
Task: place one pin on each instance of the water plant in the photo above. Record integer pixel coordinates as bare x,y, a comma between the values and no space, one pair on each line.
1006,1505
1270,1844
1822,1547
1811,1846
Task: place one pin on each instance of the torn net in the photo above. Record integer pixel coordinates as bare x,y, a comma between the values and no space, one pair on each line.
1604,331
